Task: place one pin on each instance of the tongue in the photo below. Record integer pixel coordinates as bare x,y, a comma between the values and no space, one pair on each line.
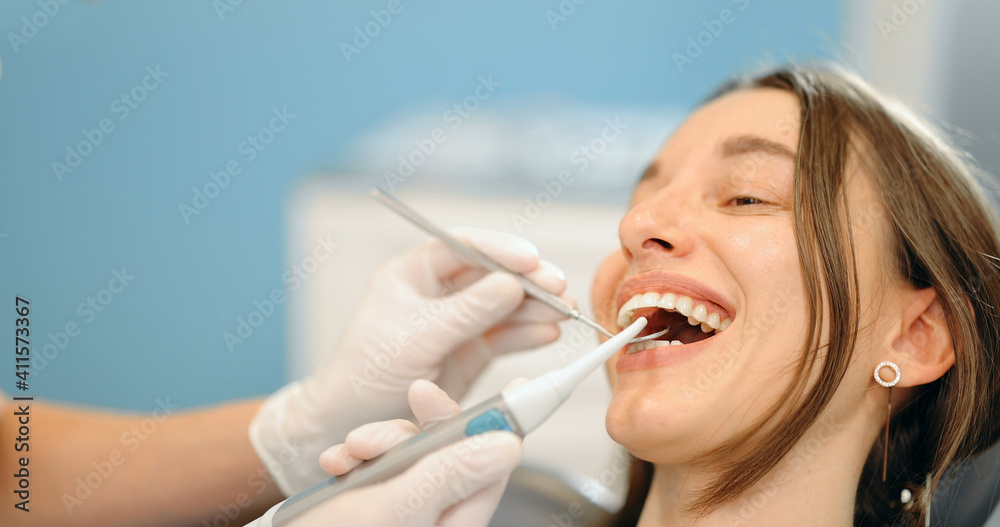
657,320
680,329
689,334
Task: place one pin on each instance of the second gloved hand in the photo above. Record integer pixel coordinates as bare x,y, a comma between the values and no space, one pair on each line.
427,314
459,485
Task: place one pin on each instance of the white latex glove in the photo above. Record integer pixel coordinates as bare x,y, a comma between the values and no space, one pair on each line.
427,314
457,486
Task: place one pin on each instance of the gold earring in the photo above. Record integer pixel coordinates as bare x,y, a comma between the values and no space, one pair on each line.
888,412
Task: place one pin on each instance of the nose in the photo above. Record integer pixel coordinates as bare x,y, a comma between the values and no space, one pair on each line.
656,228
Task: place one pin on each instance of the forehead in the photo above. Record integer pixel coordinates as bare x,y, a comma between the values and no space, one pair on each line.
768,113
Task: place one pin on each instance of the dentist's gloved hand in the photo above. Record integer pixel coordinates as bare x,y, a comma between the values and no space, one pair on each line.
457,486
427,314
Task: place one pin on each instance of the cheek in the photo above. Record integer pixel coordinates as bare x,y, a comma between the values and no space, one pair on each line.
774,326
765,247
741,242
764,260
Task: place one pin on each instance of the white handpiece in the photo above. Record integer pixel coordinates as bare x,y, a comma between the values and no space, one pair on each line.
519,410
533,402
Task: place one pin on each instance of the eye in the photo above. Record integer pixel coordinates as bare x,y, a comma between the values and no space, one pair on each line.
743,201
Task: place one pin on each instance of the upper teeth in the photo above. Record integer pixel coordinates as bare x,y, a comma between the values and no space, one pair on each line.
697,313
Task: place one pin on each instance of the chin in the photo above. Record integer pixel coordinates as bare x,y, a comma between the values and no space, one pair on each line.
654,424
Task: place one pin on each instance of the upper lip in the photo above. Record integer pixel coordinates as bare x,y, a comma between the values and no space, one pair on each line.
663,282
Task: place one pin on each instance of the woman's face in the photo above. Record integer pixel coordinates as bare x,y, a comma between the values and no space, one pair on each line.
709,238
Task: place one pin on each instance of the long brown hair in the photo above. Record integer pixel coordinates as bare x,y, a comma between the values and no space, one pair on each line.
944,235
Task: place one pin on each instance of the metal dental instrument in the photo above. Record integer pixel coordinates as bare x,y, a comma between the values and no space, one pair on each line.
485,261
519,409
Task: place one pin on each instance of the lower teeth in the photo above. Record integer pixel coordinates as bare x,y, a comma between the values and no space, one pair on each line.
650,344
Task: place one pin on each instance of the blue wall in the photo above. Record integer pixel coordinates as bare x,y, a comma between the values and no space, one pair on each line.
161,335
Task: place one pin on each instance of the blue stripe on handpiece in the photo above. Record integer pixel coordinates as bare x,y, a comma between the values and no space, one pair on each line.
489,420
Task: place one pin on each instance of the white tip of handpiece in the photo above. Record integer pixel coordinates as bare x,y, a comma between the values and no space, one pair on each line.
533,402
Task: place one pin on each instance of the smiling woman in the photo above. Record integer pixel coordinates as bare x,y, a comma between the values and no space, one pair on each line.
797,232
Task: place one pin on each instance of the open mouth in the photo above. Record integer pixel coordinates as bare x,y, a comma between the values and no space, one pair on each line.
690,320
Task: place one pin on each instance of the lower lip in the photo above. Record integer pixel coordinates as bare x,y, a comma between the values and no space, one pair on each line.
656,357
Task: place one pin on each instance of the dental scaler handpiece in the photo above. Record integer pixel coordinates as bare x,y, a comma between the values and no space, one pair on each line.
519,409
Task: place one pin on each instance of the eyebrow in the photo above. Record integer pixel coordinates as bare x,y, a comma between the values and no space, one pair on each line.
742,144
745,144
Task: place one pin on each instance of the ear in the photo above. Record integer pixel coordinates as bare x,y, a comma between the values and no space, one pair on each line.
923,347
